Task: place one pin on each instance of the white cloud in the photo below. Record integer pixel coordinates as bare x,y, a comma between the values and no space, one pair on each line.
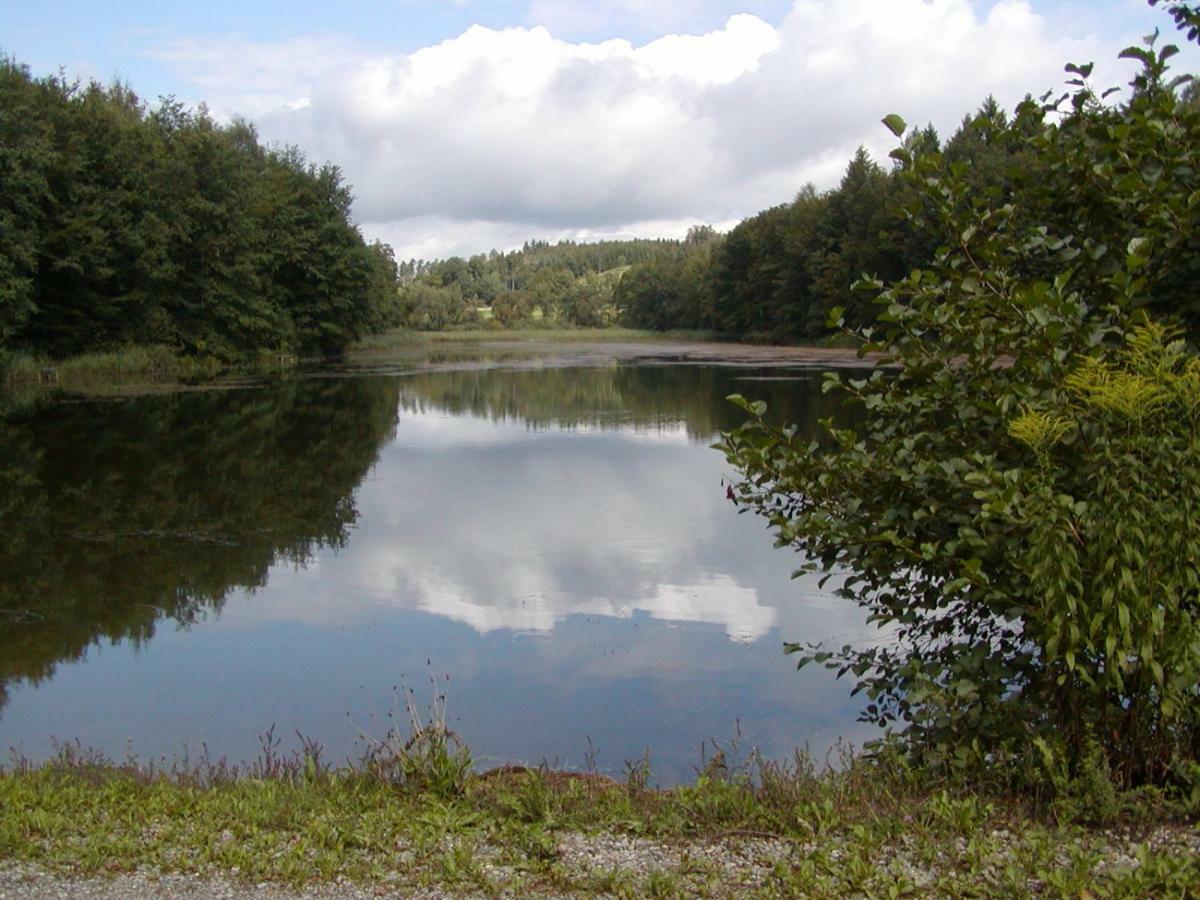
584,17
437,237
240,76
496,136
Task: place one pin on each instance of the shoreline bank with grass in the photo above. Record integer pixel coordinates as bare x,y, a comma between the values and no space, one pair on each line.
157,366
158,363
294,827
147,363
401,337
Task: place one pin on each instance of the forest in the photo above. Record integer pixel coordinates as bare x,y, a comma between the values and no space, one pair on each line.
128,226
780,274
565,284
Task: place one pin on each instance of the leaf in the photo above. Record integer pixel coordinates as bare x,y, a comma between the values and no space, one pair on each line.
895,124
1137,53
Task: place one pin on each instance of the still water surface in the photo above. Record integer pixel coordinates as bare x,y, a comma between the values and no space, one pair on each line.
187,569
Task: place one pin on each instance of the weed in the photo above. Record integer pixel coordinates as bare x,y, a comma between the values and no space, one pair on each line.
428,756
612,883
662,884
868,827
1086,793
536,846
637,773
1157,875
531,798
959,815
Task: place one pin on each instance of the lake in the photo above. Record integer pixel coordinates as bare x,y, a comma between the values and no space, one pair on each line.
543,531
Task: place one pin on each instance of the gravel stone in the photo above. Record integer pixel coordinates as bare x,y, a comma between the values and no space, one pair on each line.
728,866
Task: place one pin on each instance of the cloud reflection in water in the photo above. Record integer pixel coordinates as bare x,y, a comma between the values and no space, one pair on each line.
573,565
522,531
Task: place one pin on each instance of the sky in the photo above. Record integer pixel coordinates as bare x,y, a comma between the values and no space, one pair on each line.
464,125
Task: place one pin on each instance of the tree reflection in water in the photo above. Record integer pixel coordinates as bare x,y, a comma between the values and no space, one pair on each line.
578,504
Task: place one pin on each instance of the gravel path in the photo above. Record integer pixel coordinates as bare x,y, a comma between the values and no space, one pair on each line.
26,881
733,866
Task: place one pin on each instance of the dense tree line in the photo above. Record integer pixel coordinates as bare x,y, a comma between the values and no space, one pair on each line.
125,225
561,284
780,274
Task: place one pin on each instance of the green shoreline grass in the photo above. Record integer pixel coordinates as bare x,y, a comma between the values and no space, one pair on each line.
404,339
24,376
866,828
156,362
156,365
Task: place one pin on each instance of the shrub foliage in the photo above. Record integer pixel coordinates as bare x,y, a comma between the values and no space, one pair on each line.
1018,510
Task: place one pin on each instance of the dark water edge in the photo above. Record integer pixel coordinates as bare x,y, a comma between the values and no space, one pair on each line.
189,568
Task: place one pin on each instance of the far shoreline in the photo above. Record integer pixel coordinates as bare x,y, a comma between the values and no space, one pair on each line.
138,370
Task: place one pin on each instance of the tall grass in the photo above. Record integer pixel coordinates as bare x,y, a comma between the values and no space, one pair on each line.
414,819
132,364
18,367
159,363
403,338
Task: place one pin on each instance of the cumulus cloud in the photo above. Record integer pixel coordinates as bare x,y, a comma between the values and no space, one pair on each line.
571,16
495,136
249,78
579,19
517,126
441,236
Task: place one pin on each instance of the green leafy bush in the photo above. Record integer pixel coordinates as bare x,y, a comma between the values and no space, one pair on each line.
1109,519
1017,511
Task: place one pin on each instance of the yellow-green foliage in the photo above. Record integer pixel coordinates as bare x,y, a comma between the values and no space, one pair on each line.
1114,551
1154,372
1039,430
